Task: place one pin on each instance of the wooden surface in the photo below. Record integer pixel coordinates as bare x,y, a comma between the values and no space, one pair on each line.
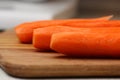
22,60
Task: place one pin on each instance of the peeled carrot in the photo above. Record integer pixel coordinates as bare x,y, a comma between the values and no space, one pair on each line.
45,23
91,44
105,17
42,36
112,23
25,31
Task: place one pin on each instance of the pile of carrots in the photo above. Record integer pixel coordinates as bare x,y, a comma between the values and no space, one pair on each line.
97,37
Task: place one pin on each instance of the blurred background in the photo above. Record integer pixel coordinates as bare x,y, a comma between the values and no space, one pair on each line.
14,12
94,8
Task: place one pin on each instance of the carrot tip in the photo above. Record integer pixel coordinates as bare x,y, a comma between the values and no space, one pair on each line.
108,17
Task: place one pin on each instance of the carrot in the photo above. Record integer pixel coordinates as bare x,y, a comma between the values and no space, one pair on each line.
106,17
25,30
115,23
88,44
45,23
42,36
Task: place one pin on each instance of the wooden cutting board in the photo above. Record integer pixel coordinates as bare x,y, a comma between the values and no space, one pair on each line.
23,60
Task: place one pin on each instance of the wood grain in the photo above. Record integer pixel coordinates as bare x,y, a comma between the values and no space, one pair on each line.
23,60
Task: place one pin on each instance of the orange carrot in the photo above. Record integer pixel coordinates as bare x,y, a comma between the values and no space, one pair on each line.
42,36
112,23
90,44
106,17
45,23
25,31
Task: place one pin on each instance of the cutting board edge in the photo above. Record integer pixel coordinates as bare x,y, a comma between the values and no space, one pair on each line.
22,72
